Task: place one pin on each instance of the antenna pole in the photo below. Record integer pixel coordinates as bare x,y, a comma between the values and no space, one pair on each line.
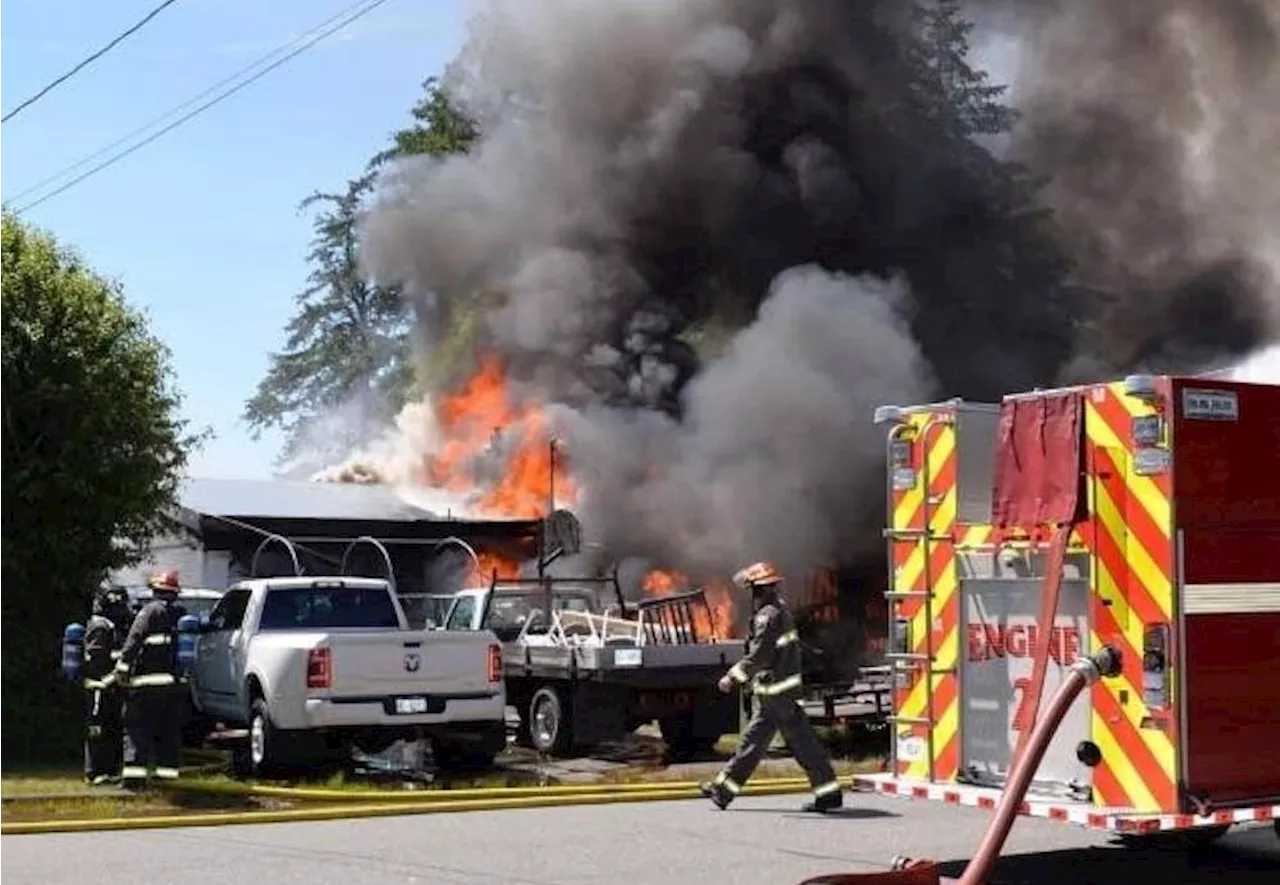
551,491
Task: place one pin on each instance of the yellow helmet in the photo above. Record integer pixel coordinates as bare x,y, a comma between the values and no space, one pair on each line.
758,574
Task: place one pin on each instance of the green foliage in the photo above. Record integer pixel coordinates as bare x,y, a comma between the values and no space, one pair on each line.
346,350
93,452
347,365
996,233
950,90
440,128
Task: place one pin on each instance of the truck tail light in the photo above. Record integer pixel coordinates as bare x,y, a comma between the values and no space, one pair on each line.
495,663
319,668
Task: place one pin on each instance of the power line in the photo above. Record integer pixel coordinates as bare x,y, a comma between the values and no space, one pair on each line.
87,61
129,136
365,8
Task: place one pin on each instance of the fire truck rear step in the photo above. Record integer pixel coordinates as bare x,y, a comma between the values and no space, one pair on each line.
1059,808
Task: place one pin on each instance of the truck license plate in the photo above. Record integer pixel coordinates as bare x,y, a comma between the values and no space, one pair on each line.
411,705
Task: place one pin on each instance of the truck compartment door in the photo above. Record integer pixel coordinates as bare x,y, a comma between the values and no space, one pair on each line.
1000,633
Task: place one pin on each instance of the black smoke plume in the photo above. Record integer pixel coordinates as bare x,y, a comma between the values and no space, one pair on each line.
1156,125
713,234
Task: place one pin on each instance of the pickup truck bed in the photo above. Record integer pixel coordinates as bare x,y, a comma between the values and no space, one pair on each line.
581,677
624,664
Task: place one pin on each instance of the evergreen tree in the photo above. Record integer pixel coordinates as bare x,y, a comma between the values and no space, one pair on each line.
347,365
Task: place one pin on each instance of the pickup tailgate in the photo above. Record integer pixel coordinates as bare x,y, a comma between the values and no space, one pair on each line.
410,662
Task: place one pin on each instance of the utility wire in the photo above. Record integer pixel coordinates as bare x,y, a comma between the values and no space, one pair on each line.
129,136
87,61
362,9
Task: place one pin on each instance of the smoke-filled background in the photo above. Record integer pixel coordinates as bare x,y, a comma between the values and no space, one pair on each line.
1157,126
712,235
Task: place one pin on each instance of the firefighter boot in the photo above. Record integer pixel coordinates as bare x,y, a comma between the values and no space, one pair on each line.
717,793
824,802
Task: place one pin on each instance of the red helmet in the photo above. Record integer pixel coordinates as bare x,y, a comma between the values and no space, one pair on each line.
758,574
165,582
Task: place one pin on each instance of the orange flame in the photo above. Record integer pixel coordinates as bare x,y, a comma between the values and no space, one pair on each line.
471,420
722,622
488,564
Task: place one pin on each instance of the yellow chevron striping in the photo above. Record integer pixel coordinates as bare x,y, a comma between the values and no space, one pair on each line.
947,726
1144,488
916,700
944,588
975,536
1109,517
1118,761
1145,569
1099,432
942,513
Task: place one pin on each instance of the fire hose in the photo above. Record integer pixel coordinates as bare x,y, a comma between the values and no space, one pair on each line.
1081,674
452,794
336,805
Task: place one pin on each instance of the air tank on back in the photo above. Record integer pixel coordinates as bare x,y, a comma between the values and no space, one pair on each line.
188,637
73,651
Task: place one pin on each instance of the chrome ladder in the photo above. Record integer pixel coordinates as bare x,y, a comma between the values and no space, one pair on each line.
902,662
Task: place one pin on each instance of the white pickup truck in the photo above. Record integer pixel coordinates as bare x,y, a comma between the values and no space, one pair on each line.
315,666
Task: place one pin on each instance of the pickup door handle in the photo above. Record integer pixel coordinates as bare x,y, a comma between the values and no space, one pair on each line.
414,644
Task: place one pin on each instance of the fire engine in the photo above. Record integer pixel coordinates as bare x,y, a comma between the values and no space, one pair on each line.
1141,514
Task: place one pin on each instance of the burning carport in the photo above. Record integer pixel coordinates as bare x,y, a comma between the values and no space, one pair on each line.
239,529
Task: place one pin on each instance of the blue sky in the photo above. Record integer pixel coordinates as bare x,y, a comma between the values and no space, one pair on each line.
202,226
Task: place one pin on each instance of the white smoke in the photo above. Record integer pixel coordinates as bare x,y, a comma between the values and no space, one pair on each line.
1262,367
397,457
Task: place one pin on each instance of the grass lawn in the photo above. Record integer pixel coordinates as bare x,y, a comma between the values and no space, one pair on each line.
41,782
54,793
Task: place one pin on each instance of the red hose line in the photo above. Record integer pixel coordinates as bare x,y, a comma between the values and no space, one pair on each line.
1085,672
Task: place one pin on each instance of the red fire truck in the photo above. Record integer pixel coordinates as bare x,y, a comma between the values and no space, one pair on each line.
1142,514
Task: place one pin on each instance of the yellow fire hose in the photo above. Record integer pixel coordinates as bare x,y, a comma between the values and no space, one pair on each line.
454,795
483,800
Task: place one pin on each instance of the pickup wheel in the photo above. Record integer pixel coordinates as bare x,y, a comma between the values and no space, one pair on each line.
550,730
269,748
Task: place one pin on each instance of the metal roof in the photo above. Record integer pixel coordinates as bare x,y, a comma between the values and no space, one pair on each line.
303,499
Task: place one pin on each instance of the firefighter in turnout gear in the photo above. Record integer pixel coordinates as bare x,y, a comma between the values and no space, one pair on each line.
148,668
771,670
104,699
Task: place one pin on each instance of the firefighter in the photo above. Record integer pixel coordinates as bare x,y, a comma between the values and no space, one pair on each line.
772,668
104,700
148,667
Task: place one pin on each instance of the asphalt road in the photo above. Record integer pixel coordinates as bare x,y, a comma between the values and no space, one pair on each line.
759,841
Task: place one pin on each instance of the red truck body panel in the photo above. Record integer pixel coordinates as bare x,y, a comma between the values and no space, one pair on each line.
1226,505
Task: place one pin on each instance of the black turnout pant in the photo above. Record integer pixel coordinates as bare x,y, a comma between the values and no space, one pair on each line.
104,732
153,732
774,714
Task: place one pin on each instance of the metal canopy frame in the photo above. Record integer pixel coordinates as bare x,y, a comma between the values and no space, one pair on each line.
382,550
288,546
